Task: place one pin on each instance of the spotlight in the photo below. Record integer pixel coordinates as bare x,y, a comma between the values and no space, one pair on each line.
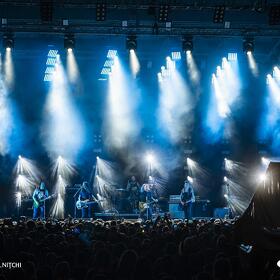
18,199
19,157
131,42
100,11
190,179
219,14
262,177
190,162
226,196
150,158
187,44
248,46
274,15
163,13
225,179
46,10
69,42
8,41
225,159
265,161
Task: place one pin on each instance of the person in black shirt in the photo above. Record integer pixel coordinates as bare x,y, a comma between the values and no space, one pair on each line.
187,199
133,188
86,197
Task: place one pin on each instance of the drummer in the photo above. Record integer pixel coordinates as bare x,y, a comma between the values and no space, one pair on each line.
133,188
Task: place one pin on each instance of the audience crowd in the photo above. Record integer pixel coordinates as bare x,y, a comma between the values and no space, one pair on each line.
120,249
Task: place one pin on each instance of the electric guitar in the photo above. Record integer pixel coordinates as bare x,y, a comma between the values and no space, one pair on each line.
38,202
144,205
80,204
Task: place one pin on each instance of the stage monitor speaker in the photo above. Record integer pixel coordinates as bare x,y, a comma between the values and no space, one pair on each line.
175,212
221,213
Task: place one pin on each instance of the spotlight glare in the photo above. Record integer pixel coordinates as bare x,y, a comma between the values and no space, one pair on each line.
190,162
150,158
265,161
190,179
262,177
134,62
225,179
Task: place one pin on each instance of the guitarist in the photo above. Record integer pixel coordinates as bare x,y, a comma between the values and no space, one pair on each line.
187,199
39,194
86,196
147,198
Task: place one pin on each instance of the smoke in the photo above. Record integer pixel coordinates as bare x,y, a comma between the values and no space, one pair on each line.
63,131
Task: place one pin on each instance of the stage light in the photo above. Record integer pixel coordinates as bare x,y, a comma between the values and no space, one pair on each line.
97,157
8,41
252,63
163,13
57,209
190,162
248,46
131,42
274,15
192,68
46,11
24,184
62,168
150,158
190,179
134,62
69,42
72,66
9,67
226,196
18,199
26,167
225,179
265,161
51,62
176,56
232,57
262,177
187,44
219,14
100,11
